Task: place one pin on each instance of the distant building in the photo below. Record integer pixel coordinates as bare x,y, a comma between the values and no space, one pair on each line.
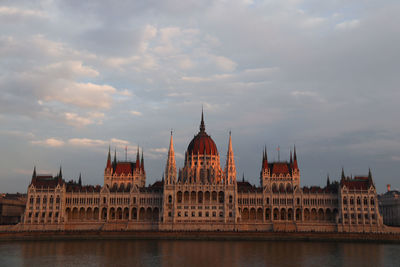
389,205
12,208
203,196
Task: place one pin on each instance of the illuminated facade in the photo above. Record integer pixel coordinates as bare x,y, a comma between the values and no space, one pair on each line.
203,196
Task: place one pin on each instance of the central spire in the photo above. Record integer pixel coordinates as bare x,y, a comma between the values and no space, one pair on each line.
202,126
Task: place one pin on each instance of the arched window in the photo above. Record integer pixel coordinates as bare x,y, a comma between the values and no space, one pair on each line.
372,201
200,197
179,196
221,197
230,199
344,201
274,188
288,188
281,188
169,199
214,196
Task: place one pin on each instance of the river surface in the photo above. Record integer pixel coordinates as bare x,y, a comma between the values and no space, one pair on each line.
196,253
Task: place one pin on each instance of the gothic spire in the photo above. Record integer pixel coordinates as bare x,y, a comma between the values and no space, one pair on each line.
343,176
202,126
142,161
295,166
265,158
60,173
138,158
230,143
170,168
109,158
230,168
370,177
34,172
80,179
115,156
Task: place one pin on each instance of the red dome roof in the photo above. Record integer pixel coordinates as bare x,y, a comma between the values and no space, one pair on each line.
202,142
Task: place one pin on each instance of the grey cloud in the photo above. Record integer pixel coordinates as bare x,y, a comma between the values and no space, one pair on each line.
291,76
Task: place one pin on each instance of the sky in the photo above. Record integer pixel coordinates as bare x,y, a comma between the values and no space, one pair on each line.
79,76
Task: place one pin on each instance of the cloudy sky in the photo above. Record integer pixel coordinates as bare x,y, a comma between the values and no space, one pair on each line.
78,76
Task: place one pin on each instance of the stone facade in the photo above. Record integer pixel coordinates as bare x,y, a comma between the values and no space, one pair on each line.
389,205
12,208
203,196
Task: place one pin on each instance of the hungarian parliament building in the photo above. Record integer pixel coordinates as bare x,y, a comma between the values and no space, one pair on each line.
202,196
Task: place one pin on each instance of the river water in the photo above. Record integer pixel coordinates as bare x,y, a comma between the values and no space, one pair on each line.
196,253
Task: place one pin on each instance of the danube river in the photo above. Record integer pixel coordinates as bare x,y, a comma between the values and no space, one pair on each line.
196,253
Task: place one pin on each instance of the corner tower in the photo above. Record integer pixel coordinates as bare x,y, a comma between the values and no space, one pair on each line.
124,174
282,176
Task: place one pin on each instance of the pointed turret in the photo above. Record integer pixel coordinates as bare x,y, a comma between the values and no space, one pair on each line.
295,165
202,126
343,176
170,168
34,172
328,182
80,179
230,167
109,159
138,159
142,161
264,174
370,181
60,173
265,159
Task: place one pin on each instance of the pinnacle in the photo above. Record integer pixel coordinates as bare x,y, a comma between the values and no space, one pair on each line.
202,125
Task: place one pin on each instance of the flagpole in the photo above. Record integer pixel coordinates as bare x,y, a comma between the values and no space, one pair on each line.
279,154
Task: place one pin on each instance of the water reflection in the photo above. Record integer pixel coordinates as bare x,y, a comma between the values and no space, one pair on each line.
196,253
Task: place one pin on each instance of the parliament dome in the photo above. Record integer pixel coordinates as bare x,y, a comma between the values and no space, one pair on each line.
202,143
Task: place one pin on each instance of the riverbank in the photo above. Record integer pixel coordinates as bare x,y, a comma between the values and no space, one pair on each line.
195,235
